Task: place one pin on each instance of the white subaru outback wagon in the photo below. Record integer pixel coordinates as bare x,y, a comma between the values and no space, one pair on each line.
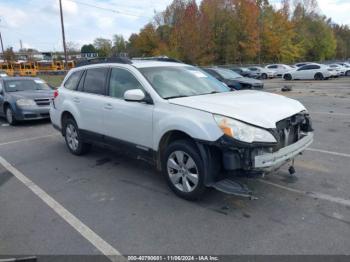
191,126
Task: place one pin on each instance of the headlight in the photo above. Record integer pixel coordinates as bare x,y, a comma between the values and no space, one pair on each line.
243,132
25,102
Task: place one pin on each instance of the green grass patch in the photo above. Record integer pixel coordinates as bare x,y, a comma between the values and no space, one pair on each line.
53,80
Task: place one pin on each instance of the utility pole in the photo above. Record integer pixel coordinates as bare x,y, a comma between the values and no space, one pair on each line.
2,45
63,37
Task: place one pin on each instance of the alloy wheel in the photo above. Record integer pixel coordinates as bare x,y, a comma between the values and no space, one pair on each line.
9,115
72,137
182,171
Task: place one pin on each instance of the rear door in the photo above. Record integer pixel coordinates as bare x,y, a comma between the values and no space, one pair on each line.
90,99
303,72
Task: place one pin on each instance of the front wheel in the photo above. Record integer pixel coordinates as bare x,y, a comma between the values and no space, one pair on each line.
73,138
347,73
10,116
287,77
183,168
264,76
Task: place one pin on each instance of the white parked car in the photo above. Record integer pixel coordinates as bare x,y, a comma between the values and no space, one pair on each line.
279,69
297,65
334,72
262,73
308,72
190,125
342,69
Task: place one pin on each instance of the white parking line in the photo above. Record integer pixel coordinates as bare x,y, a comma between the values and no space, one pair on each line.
338,200
27,139
328,152
329,113
79,226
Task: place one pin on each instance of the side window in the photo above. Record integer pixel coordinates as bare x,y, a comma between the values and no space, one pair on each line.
73,80
120,81
95,81
315,67
272,67
213,73
304,68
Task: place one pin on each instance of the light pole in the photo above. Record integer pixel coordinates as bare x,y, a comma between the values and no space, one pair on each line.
63,36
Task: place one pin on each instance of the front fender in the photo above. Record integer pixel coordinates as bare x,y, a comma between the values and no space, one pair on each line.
197,124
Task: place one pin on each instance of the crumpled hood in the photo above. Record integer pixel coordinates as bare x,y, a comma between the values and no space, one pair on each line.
255,107
32,94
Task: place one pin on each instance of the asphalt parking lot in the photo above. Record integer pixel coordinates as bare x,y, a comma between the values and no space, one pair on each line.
128,208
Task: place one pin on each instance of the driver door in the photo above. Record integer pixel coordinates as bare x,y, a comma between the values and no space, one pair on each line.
127,121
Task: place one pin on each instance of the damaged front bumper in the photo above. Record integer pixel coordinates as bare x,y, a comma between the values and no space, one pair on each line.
271,161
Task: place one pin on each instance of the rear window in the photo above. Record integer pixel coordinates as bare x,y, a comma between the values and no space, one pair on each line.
73,80
95,81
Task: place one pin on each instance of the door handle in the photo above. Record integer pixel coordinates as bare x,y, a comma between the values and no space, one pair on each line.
108,106
76,100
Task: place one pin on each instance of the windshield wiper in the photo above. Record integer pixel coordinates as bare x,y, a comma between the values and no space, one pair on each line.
178,96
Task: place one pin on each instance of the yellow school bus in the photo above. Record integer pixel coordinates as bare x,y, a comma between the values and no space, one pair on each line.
8,68
24,68
59,65
44,66
70,64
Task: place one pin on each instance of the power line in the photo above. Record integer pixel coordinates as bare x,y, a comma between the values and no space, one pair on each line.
108,9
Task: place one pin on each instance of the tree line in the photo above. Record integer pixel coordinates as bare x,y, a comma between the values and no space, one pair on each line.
235,31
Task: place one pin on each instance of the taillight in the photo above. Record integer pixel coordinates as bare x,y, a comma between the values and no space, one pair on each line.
55,94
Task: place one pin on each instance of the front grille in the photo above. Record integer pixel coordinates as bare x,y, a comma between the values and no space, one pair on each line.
42,101
30,116
289,130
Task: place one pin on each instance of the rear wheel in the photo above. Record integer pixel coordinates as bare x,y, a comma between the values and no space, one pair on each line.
263,76
73,138
318,76
287,77
183,168
347,73
10,117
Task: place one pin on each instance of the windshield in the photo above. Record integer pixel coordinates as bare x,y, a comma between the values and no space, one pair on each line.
227,74
181,81
25,85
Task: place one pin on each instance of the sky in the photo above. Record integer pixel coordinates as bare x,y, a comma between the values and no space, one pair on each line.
37,22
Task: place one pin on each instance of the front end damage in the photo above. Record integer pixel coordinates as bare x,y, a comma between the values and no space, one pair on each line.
293,135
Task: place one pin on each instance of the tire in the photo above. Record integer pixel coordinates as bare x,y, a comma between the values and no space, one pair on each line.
10,116
287,77
263,76
183,168
318,76
73,138
347,73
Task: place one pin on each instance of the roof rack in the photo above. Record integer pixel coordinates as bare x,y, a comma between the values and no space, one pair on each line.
157,58
103,60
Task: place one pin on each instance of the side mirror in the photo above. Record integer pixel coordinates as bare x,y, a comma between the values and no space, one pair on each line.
134,95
